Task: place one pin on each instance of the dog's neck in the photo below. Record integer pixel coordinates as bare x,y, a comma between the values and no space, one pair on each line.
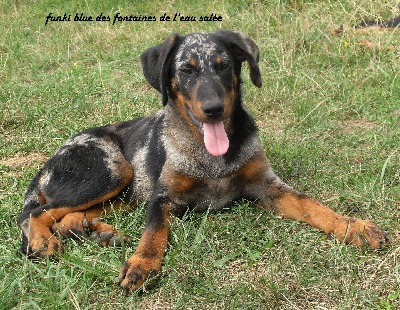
180,145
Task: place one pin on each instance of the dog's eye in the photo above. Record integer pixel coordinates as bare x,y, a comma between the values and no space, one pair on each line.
222,66
186,70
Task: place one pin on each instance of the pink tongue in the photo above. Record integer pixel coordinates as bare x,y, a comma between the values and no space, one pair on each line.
215,138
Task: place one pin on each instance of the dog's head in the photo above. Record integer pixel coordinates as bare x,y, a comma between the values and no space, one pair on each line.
200,74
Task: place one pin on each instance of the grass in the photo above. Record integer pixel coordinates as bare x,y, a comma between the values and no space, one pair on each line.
329,115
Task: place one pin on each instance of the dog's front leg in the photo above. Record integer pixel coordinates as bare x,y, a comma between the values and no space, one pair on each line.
146,261
292,204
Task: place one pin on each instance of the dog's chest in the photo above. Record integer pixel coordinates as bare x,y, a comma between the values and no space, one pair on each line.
198,187
211,194
191,175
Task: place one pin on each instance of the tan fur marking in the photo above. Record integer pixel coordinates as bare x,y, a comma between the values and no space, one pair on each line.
254,169
153,243
235,81
355,231
126,171
173,84
171,39
195,105
42,198
179,183
182,103
41,239
69,224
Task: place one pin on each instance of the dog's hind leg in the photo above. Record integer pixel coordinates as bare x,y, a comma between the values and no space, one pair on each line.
78,225
86,171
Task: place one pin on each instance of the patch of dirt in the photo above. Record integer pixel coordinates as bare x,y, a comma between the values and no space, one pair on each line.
23,160
353,125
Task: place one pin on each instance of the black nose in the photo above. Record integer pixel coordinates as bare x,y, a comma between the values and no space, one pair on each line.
213,109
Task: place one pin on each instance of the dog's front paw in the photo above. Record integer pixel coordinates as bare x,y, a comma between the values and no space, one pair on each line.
359,232
136,271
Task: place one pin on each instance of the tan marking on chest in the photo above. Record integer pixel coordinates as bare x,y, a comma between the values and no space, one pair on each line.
255,168
178,183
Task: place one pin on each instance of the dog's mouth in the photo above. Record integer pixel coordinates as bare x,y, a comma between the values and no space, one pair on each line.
215,138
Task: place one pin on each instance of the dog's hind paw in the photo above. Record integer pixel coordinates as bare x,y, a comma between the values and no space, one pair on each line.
40,246
109,238
77,226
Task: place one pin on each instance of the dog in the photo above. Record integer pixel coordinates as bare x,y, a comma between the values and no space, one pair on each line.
374,27
201,151
392,24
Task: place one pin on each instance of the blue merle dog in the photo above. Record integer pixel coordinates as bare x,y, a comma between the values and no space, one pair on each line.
200,151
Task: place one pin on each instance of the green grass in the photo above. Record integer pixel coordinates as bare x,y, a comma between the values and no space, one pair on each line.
329,115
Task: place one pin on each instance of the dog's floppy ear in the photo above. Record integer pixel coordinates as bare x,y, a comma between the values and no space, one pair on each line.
244,49
155,64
